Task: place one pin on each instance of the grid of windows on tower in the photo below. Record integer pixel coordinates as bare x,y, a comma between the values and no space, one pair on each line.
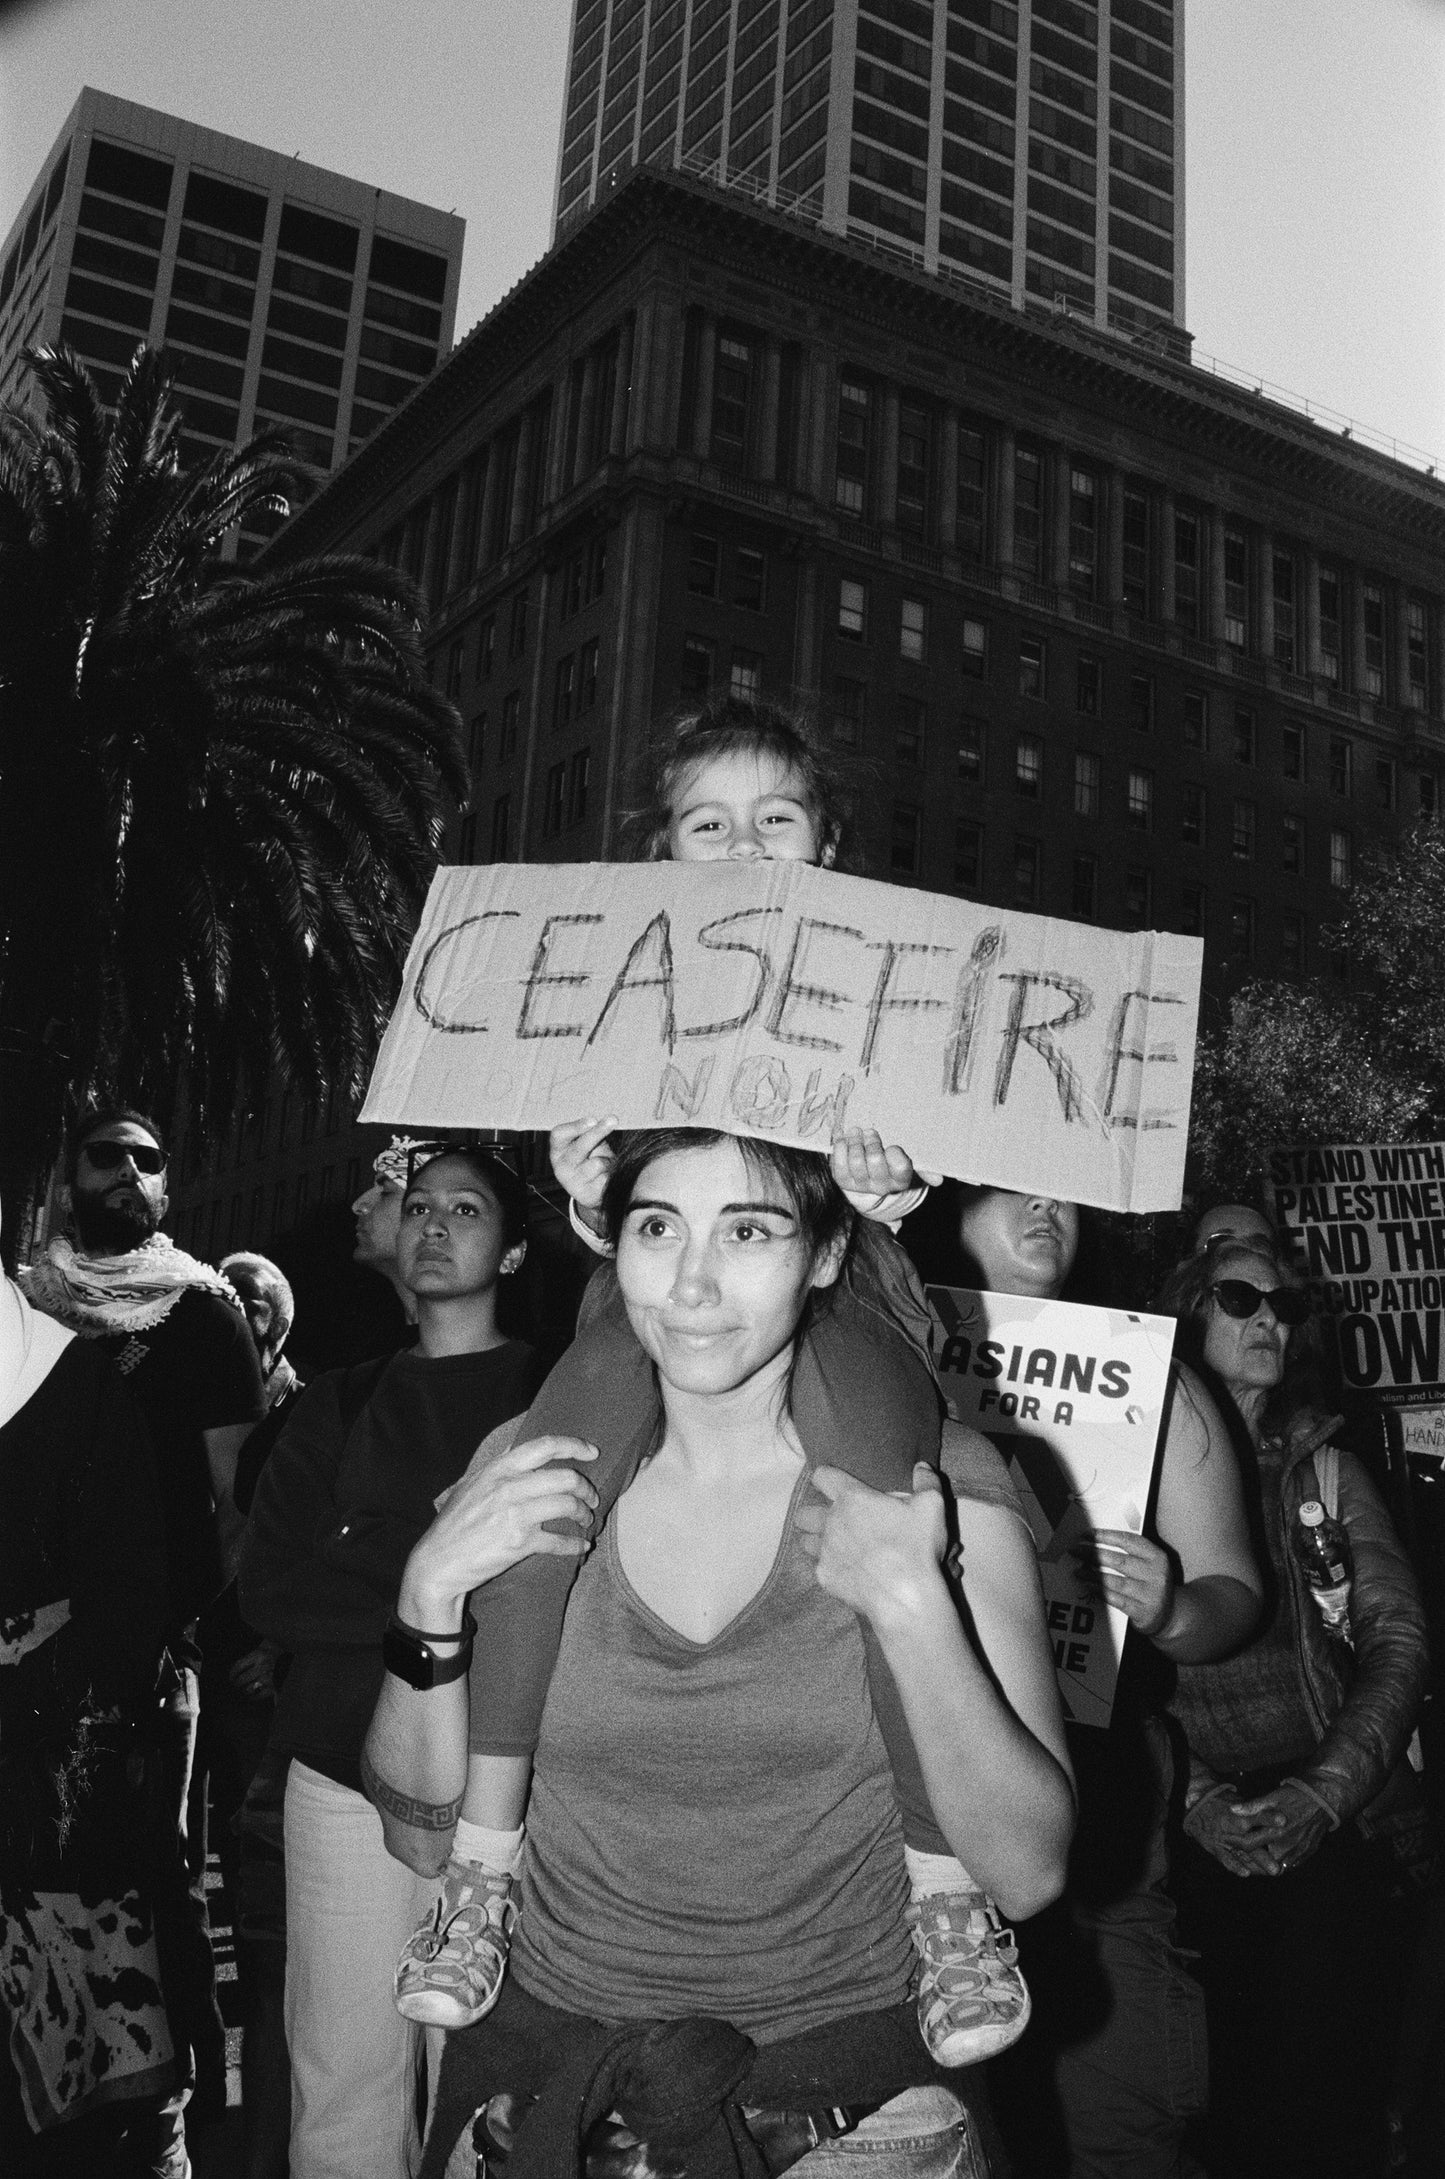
115,261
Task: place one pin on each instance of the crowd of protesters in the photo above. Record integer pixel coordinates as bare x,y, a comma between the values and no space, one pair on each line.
656,1766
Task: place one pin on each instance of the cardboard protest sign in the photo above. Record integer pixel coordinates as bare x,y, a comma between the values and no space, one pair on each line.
776,999
1365,1223
1073,1398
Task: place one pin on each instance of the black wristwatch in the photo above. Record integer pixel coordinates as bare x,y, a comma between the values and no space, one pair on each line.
408,1652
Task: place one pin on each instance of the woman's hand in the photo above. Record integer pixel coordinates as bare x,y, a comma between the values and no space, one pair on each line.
1213,1824
254,1675
496,1515
582,1159
877,1551
1282,1828
862,1166
1133,1574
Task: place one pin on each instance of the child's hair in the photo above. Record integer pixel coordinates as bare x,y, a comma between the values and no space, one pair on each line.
759,727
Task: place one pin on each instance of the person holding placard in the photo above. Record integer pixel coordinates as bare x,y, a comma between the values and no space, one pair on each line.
1104,2084
711,1940
739,781
1298,1784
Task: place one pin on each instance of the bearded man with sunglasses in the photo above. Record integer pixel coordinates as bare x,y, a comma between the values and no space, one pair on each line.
177,1332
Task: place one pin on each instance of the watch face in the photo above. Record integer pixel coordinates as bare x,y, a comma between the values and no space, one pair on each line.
411,1660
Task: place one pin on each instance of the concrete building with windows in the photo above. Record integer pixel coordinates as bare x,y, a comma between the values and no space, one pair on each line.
281,293
1035,146
1104,636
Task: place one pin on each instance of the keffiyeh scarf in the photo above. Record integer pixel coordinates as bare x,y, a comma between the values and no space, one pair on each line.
97,1295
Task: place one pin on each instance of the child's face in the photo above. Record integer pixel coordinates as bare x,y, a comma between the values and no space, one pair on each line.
745,807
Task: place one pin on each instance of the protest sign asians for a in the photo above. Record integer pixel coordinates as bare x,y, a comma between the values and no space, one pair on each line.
776,999
1365,1224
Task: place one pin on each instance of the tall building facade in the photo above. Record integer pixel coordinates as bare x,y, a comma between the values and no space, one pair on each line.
1035,147
281,293
1100,636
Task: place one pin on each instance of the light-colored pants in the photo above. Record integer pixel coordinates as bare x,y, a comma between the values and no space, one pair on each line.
923,2134
354,2060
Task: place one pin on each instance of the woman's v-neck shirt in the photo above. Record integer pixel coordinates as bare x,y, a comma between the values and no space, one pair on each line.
713,1826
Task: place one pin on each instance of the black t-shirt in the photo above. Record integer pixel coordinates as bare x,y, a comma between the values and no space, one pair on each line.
194,1371
340,1503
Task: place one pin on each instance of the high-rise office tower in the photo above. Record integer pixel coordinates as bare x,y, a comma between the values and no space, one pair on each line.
1036,147
283,294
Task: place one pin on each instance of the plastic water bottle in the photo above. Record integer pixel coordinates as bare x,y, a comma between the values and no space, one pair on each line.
1322,1547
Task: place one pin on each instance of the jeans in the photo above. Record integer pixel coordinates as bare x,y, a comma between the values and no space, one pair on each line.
923,2134
354,2061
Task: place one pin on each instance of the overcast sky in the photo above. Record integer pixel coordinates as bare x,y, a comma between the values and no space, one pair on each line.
1315,198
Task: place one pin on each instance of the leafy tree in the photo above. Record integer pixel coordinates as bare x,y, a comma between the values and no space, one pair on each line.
1328,1063
221,789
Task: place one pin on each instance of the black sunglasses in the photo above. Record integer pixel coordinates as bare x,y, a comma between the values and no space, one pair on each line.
1241,1298
108,1157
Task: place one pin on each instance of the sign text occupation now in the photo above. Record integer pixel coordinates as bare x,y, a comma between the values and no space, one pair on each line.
776,999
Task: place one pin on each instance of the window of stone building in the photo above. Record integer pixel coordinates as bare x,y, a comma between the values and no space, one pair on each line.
1417,656
1372,666
697,665
910,724
750,571
1085,898
1088,789
972,493
578,773
1331,637
1241,930
1196,719
703,560
1033,666
855,433
564,691
1236,587
1242,830
968,855
904,839
913,630
467,838
975,649
853,610
1428,795
1139,801
1385,782
1136,552
1028,859
1029,766
731,390
1342,764
1341,858
1141,702
972,741
1088,684
1138,898
1191,813
1292,944
553,800
1186,570
1028,511
511,716
486,648
502,829
517,637
1292,845
1292,752
1083,533
587,659
1286,647
1244,751
850,705
913,452
746,680
1191,910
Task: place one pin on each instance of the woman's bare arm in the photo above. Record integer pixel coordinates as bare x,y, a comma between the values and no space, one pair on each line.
985,1719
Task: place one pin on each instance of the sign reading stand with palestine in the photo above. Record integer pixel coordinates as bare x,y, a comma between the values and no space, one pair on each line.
1365,1224
779,1000
1073,1398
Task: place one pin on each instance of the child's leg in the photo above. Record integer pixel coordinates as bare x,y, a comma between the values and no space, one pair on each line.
602,1390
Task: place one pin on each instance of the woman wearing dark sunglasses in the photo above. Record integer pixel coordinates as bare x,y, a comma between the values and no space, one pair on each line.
1293,1741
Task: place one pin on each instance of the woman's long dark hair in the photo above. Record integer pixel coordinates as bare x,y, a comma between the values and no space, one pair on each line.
1185,1294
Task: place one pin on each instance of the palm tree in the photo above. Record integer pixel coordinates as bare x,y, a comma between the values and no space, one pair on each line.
221,789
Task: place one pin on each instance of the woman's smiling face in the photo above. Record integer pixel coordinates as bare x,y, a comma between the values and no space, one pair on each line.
714,1268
